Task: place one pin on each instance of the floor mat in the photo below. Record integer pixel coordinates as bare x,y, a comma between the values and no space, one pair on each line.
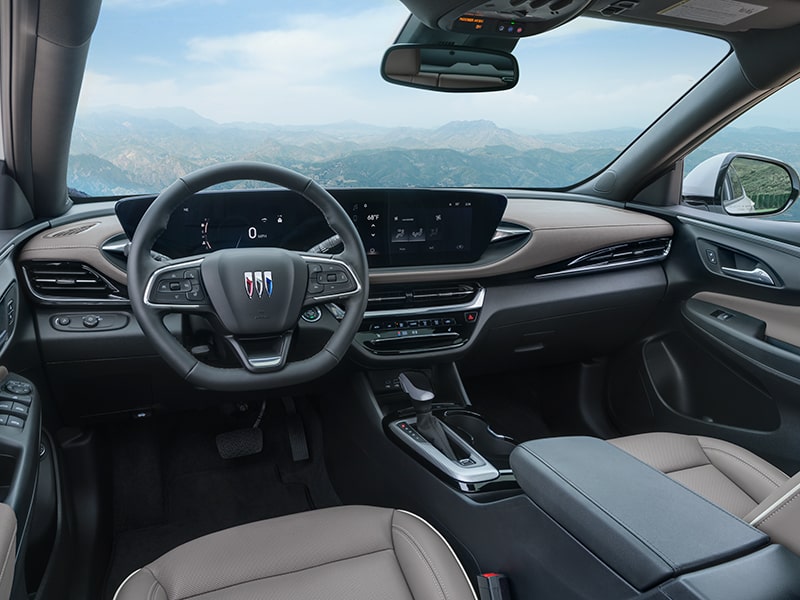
170,485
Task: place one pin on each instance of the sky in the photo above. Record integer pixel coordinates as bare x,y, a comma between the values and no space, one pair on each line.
251,61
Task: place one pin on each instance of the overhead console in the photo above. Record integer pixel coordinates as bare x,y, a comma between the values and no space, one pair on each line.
399,227
496,18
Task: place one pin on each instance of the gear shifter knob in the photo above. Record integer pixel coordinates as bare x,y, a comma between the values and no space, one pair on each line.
417,386
420,390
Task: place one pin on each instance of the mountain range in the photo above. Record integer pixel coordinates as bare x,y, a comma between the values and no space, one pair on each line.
122,151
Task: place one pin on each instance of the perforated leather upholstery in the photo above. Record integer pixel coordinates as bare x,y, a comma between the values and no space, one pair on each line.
343,553
727,475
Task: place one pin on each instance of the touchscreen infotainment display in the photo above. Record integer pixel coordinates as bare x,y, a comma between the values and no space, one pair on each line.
398,227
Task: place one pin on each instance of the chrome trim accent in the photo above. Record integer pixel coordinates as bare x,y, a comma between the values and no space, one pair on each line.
605,267
195,262
475,304
323,259
7,252
118,247
480,472
507,232
757,275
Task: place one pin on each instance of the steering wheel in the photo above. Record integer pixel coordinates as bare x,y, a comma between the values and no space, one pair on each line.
254,296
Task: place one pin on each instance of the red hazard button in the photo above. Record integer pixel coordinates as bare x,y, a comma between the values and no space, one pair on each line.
471,316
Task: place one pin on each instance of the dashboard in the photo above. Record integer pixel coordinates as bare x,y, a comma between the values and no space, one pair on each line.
398,227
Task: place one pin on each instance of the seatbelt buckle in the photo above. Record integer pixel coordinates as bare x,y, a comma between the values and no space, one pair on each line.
493,586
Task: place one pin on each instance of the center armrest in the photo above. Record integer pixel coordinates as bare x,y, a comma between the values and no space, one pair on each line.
638,521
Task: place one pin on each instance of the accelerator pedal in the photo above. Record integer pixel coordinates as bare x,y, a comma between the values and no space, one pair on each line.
297,431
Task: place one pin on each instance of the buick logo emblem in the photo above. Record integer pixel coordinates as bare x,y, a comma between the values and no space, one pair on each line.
257,283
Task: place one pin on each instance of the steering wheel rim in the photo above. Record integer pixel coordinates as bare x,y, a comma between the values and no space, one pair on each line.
141,268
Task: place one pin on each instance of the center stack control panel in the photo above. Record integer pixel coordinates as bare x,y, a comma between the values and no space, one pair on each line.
405,321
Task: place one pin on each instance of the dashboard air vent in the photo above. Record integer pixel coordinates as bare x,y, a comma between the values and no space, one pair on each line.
68,281
78,229
624,253
628,254
452,294
420,297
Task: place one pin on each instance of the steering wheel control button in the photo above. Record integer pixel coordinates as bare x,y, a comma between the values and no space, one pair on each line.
91,321
315,288
178,287
312,314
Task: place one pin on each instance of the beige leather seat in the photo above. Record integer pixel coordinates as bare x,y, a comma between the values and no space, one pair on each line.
343,553
727,475
8,546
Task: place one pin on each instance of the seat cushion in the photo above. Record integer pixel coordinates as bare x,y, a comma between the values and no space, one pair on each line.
349,552
727,475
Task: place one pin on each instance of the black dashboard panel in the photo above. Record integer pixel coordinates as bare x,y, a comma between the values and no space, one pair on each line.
399,227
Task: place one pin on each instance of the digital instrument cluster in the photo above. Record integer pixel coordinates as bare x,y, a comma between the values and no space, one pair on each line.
399,227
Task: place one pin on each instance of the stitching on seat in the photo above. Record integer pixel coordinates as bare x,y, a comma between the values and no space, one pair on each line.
671,473
740,459
238,583
780,508
421,553
151,593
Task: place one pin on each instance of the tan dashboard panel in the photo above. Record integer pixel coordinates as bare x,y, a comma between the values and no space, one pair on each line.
80,241
783,320
561,230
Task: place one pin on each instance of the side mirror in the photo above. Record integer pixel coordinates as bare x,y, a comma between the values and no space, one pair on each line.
449,68
742,184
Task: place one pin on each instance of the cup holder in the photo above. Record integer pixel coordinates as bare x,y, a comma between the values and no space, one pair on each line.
476,432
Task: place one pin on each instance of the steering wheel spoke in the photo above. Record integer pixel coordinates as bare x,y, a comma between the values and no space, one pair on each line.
177,287
261,355
329,279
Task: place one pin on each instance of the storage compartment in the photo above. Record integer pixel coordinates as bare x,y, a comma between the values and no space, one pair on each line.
477,433
714,394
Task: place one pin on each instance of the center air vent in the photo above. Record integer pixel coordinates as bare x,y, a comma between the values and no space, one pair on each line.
69,281
405,298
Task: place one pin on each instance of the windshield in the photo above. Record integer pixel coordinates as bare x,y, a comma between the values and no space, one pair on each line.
172,86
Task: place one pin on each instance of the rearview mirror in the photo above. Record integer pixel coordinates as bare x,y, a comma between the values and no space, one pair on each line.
742,184
450,69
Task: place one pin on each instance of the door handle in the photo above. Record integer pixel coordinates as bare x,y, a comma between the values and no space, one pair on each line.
757,275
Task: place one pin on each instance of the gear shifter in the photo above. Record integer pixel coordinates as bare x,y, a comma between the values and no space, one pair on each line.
419,389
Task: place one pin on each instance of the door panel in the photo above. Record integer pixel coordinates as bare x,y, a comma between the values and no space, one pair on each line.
723,357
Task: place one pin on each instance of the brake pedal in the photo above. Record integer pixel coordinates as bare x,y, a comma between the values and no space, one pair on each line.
240,442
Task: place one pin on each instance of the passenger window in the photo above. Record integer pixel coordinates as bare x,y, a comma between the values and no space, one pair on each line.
750,168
